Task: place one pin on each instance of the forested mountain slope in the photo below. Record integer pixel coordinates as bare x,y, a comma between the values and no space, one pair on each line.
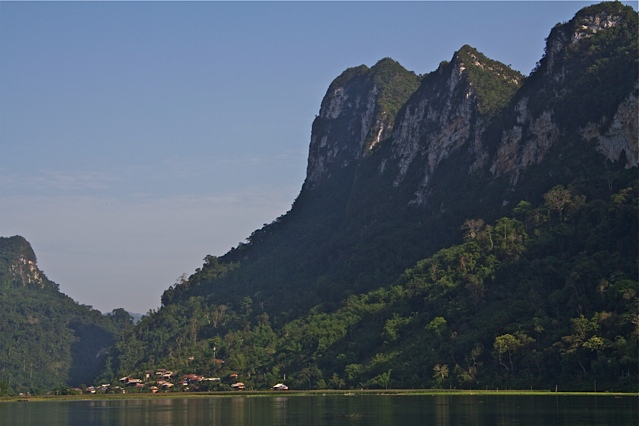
47,340
530,181
470,227
546,297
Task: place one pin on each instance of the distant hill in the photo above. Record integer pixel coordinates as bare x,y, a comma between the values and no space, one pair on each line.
48,340
136,317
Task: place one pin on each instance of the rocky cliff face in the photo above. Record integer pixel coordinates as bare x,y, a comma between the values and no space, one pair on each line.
445,116
488,114
20,264
398,165
398,162
357,113
575,55
436,122
620,137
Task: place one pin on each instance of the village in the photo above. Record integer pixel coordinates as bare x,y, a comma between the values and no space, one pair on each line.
163,380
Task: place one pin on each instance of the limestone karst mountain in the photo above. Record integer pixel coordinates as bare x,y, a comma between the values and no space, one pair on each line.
470,227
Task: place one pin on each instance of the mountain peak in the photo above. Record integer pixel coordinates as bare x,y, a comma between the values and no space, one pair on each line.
18,263
494,82
564,39
357,112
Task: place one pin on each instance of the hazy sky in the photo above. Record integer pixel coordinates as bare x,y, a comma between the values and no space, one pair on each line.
138,137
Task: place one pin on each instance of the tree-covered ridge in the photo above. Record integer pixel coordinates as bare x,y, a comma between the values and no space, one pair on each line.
394,82
322,250
594,62
47,340
396,86
387,83
494,83
17,263
545,297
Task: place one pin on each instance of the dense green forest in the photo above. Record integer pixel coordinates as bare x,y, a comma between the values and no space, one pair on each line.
545,297
47,340
524,279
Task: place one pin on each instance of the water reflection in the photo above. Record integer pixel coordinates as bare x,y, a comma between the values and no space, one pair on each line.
369,410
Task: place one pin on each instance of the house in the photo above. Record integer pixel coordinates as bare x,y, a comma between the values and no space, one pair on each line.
280,386
238,386
130,381
192,378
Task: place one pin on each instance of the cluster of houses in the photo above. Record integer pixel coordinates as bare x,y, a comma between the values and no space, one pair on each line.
95,389
165,379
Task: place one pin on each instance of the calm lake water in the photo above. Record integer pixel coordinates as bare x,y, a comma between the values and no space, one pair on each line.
369,410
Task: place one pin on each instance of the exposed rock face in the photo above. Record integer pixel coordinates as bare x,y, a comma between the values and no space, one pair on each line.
440,118
22,264
355,116
343,123
454,107
584,25
621,136
562,77
26,271
434,123
518,148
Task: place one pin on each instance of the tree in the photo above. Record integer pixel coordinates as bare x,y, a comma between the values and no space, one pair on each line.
4,388
437,325
384,379
509,344
473,226
121,318
309,373
440,373
560,199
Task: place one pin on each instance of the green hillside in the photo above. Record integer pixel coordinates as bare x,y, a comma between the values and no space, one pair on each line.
468,228
508,260
47,340
546,297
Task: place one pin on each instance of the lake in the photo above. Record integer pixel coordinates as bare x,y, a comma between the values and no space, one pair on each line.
330,410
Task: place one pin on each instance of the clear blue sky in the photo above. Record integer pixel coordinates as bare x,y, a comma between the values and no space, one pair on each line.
138,137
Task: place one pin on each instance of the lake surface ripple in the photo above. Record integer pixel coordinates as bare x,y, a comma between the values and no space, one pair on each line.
331,410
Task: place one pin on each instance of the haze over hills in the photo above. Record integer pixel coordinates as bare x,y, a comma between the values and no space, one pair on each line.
470,227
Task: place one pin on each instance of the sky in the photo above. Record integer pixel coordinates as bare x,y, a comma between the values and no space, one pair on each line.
136,138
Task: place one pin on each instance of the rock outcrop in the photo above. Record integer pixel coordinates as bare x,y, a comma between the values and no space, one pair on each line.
357,113
482,111
20,264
